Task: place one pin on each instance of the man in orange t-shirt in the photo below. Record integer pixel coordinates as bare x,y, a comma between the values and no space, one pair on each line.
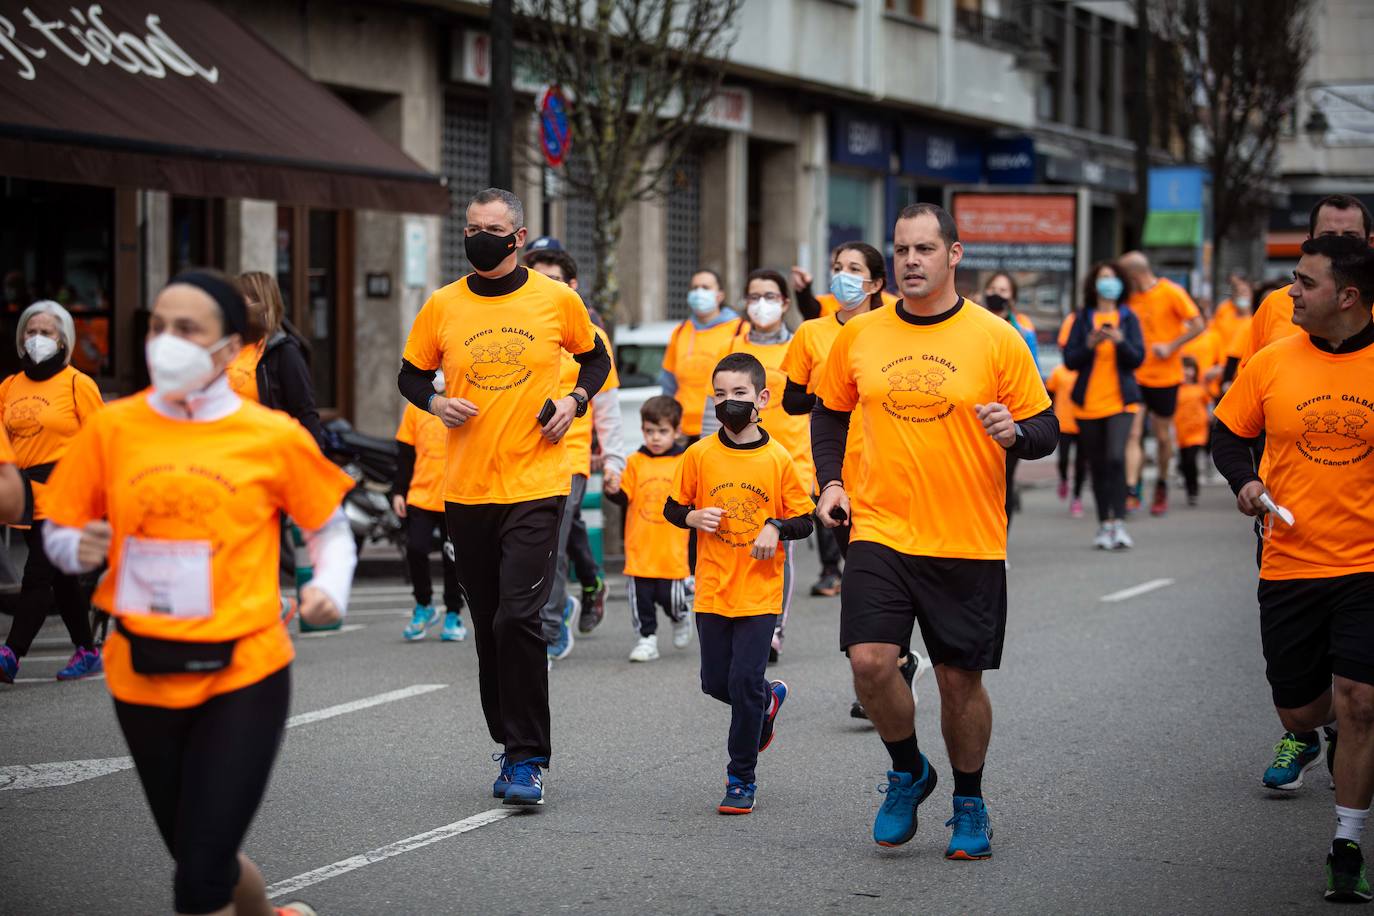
947,390
1169,318
499,334
1311,396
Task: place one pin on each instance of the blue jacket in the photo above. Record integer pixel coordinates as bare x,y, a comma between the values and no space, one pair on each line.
1130,353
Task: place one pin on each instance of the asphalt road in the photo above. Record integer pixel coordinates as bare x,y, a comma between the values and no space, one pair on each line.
1123,777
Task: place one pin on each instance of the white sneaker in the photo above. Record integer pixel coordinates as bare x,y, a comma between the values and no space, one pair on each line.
682,632
1104,539
646,650
1120,539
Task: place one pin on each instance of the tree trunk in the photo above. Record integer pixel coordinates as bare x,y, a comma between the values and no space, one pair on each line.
605,247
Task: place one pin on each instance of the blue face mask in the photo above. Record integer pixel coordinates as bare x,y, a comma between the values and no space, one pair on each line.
848,290
1109,288
701,301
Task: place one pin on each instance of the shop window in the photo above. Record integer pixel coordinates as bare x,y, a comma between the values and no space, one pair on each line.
313,268
684,231
197,234
57,242
464,155
851,207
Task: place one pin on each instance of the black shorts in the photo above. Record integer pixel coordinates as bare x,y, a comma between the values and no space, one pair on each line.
1312,629
961,605
1162,402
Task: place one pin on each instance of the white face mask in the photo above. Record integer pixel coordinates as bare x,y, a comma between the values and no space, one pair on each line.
763,313
40,348
439,384
178,366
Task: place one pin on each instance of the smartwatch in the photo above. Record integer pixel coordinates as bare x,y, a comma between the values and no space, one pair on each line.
581,403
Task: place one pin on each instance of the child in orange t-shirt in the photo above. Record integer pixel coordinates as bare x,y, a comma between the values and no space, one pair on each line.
1191,420
741,491
1060,385
655,551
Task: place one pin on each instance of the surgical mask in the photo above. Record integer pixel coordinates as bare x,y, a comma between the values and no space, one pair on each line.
1242,302
439,384
995,303
178,366
764,313
486,251
701,301
735,415
40,348
1110,288
848,290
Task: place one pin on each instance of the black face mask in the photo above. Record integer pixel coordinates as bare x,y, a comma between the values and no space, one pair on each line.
735,415
995,303
486,251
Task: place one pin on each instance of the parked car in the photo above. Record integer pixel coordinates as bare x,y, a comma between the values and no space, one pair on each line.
639,360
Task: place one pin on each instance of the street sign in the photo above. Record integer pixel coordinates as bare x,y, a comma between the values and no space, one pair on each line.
555,134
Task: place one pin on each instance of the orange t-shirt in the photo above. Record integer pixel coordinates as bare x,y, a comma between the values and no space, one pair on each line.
1065,329
41,418
243,373
1273,321
806,355
655,548
936,482
502,354
691,357
1225,320
750,484
1191,421
1316,410
1163,310
1060,385
830,305
1102,398
1240,340
791,432
223,484
6,450
1208,350
578,439
428,435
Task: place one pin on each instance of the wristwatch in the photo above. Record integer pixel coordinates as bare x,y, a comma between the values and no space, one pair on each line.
776,523
581,403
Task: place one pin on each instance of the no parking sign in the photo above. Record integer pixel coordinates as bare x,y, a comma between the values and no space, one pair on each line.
554,132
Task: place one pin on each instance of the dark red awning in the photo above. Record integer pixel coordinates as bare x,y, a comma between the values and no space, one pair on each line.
174,95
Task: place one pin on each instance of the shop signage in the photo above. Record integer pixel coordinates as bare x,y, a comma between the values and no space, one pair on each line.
946,155
1087,172
1177,189
29,40
1017,232
1010,161
863,142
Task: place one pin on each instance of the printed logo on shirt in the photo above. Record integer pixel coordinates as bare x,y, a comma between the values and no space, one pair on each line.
651,494
743,515
21,417
497,358
239,377
177,504
915,388
1335,431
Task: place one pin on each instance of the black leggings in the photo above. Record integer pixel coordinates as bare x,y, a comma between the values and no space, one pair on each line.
204,771
422,527
1103,442
1187,465
42,585
1068,442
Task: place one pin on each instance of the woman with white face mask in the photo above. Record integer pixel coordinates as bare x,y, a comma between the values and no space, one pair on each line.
180,489
696,346
42,408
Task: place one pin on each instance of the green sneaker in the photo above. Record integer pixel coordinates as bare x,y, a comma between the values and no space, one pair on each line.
1345,878
1292,758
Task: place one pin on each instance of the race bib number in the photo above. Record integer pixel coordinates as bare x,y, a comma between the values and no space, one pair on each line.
165,579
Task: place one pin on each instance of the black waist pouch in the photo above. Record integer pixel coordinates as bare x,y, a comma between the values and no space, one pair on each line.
172,656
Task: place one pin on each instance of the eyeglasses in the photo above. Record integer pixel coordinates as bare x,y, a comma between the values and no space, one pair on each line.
765,297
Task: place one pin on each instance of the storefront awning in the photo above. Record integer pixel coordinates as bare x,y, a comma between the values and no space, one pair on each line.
1173,229
174,95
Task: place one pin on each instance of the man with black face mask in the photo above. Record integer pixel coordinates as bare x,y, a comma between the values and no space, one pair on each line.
498,334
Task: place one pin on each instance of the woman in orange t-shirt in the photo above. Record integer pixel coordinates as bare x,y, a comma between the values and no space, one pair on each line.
42,408
180,489
1105,346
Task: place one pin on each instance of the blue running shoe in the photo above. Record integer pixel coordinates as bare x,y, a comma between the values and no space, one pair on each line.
896,821
972,837
779,690
498,788
83,663
1292,758
454,629
9,665
739,797
561,647
421,619
526,786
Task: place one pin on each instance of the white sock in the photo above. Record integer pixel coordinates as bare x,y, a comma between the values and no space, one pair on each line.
1350,823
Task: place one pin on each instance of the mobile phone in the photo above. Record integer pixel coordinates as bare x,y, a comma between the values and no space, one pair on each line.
838,514
545,413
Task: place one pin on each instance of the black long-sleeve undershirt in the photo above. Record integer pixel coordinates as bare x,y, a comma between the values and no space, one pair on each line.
789,529
1039,435
416,384
796,400
829,432
405,468
1233,455
807,305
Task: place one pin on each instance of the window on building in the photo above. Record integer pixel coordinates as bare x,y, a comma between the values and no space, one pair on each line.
853,209
464,157
314,268
684,231
915,9
197,234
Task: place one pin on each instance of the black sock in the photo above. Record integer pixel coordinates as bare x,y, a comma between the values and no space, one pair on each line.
906,755
1306,737
969,785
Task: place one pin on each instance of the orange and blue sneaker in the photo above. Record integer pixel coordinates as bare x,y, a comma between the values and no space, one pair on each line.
896,820
779,691
739,797
972,837
526,785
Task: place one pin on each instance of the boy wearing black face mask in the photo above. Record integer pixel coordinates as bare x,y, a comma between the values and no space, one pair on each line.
741,490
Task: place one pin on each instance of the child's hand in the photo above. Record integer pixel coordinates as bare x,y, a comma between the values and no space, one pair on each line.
610,483
766,544
707,520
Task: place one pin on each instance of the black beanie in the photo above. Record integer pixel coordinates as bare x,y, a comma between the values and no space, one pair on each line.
226,295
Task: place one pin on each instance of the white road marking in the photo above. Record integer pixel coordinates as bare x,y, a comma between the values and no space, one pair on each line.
353,863
45,658
1137,590
53,680
324,634
66,772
